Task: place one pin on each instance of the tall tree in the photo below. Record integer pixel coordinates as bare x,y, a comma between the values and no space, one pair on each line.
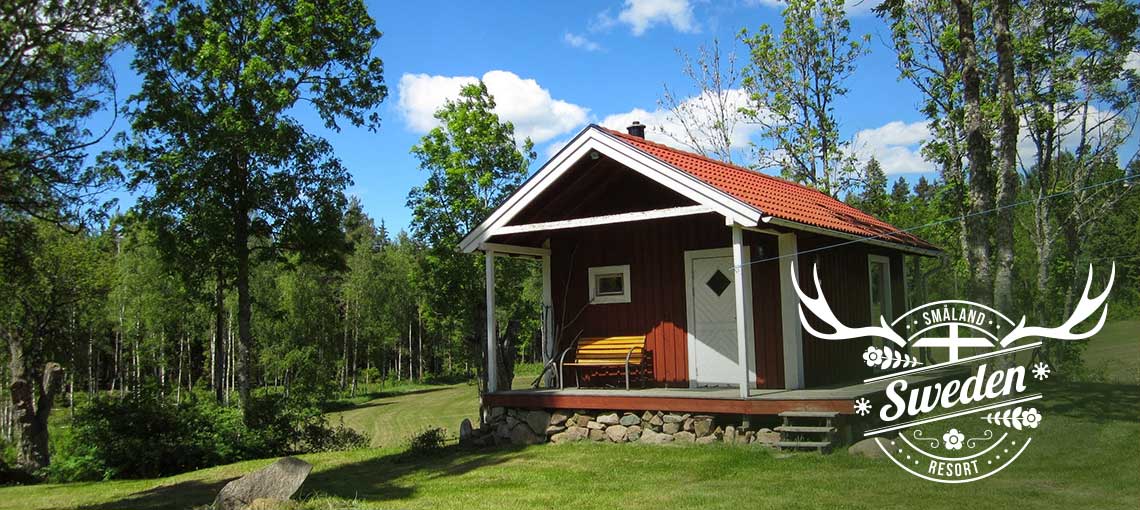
215,131
474,162
794,80
979,151
1079,106
1007,161
54,76
706,122
59,271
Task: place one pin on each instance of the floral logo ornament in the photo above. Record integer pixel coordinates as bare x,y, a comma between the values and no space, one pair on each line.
872,356
885,358
953,439
1040,371
862,407
1015,418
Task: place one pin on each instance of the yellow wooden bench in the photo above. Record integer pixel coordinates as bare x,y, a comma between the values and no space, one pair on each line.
614,351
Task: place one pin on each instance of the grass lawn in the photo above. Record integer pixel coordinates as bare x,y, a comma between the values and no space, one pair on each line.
1086,454
390,416
1115,350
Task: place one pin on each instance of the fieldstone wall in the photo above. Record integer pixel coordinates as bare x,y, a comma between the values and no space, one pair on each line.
522,426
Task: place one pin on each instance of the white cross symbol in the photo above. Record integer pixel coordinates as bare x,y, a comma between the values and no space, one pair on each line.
953,342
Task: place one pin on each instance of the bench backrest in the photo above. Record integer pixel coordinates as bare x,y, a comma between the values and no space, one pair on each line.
610,350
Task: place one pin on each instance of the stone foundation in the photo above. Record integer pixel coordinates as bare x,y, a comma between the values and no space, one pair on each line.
534,426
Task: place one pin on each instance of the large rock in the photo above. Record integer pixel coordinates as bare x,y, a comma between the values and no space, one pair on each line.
767,436
554,429
616,433
277,481
673,418
656,420
595,426
630,419
709,439
538,421
730,434
582,419
522,434
651,437
867,448
609,419
559,417
684,437
571,434
702,425
633,433
646,416
597,435
671,428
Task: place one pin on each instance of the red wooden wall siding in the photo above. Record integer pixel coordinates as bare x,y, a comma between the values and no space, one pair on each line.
766,317
655,252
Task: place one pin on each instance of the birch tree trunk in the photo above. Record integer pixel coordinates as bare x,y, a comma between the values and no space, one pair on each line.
978,149
1007,184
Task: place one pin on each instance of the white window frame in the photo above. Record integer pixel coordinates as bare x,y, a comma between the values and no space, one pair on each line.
593,272
888,301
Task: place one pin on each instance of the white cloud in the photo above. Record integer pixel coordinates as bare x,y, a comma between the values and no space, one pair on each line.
1132,62
530,107
663,127
642,15
580,42
896,145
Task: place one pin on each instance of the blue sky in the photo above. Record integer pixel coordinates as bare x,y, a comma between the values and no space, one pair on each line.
555,67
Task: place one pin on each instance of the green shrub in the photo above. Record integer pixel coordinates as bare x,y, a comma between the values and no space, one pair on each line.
427,441
142,435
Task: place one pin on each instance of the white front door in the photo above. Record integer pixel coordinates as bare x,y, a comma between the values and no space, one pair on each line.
713,349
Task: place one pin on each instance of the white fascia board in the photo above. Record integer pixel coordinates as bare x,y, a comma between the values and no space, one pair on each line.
593,138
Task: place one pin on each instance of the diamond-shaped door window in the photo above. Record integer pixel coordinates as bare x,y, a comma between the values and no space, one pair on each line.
718,282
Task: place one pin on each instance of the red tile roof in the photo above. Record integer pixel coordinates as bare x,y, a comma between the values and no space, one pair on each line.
773,196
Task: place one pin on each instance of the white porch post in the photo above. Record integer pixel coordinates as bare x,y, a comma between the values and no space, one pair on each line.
547,319
492,348
789,314
738,262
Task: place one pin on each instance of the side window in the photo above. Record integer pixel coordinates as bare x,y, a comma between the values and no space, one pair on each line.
879,276
609,284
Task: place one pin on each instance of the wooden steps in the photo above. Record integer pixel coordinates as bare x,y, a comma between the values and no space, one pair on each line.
807,430
803,428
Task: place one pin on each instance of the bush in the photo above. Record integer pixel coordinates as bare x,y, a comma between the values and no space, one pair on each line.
427,441
142,435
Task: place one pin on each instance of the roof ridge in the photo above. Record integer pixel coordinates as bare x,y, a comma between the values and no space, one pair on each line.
725,164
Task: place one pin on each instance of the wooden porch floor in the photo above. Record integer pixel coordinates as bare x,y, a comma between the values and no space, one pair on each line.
838,399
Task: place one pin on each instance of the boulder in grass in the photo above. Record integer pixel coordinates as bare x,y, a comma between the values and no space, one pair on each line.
867,448
277,482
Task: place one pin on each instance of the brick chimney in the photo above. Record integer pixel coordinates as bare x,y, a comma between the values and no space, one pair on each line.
636,129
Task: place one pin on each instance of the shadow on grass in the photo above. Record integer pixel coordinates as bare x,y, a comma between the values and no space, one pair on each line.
383,478
1098,402
392,477
188,494
348,404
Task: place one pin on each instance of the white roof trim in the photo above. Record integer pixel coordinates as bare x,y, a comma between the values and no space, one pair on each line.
595,138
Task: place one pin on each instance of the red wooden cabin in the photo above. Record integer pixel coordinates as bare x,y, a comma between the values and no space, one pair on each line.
637,238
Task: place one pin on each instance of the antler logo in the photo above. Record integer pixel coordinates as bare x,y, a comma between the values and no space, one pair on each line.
938,412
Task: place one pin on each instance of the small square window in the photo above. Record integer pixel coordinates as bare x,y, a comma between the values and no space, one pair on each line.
609,284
